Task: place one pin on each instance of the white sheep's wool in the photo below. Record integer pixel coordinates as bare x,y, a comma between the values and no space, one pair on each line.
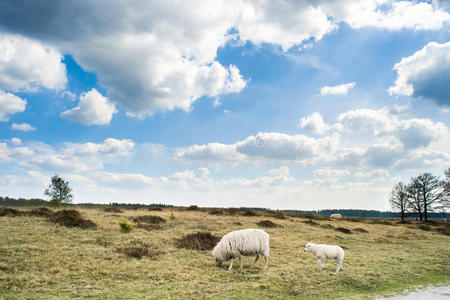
246,242
323,252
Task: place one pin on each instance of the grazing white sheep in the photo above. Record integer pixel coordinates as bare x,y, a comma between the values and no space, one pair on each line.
336,216
245,242
323,252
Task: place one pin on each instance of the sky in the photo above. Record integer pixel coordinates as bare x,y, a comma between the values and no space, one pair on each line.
276,104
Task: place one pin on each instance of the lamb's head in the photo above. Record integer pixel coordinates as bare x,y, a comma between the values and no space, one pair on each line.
308,247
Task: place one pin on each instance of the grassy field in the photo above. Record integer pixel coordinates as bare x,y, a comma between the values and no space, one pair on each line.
43,260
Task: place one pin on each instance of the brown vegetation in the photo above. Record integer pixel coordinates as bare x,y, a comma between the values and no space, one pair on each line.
71,218
197,241
268,224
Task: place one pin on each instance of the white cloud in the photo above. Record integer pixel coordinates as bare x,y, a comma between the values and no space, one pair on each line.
22,127
385,122
109,147
391,15
425,74
314,124
329,172
10,104
26,65
373,173
69,95
93,109
341,89
16,141
160,56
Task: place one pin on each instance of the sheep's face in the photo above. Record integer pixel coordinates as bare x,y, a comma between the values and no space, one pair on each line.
307,247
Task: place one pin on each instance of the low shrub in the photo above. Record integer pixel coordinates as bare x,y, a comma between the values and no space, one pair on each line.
327,226
139,250
311,222
268,224
275,214
197,241
11,212
154,208
250,213
125,227
192,207
362,230
40,212
343,230
149,219
216,212
232,211
71,218
149,227
424,227
172,217
113,210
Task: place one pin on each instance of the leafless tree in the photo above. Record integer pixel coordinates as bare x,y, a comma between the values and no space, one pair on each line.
399,199
431,191
414,199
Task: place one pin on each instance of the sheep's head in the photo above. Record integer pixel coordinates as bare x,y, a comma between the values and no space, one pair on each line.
308,247
218,262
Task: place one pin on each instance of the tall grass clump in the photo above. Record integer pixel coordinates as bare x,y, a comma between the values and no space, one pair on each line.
125,227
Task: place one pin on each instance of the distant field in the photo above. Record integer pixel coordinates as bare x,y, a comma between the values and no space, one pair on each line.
44,260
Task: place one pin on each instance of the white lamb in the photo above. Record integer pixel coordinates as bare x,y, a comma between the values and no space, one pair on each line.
323,252
246,242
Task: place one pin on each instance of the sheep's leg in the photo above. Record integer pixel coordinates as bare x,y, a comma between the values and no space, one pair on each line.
266,261
320,261
256,259
240,263
339,266
231,265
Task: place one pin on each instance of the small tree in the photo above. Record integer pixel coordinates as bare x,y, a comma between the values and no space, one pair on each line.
399,199
59,191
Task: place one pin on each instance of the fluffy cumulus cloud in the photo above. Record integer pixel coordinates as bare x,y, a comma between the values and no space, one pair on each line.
157,56
341,89
10,104
68,157
425,74
22,127
390,135
26,65
93,109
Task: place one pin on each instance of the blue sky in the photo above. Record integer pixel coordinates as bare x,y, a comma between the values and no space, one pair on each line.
300,104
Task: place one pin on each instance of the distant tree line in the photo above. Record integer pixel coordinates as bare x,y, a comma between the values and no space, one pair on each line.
7,201
425,194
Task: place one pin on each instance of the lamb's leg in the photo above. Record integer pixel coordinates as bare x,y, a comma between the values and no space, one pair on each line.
320,261
231,265
256,259
240,263
266,261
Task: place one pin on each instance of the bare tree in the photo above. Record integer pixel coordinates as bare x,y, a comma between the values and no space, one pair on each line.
432,191
414,199
399,199
59,191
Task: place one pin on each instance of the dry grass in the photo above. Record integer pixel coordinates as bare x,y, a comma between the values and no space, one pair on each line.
41,260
